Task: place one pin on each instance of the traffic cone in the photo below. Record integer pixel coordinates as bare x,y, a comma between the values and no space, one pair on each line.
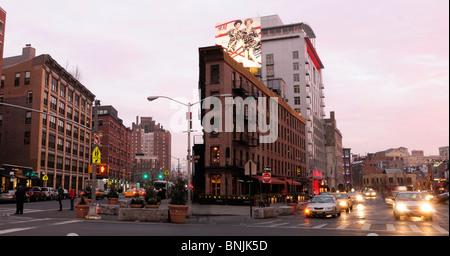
98,209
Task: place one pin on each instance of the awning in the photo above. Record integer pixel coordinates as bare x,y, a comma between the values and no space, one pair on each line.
272,180
293,182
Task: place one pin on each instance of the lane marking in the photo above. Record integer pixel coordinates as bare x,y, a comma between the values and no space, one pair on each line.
12,230
343,226
390,227
438,228
366,227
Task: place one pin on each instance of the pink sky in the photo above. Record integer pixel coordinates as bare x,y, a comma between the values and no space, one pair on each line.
386,62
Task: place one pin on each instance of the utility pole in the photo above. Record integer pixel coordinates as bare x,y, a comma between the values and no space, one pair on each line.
92,214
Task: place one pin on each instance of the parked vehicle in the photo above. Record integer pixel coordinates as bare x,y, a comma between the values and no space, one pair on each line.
35,193
50,193
323,205
9,196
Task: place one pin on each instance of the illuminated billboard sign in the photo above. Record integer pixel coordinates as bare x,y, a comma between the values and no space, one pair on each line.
241,39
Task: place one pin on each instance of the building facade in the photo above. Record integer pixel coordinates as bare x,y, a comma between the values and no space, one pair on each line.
227,154
115,143
2,36
152,139
334,153
289,53
57,144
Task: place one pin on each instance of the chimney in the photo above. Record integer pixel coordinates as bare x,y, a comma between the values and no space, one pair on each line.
28,52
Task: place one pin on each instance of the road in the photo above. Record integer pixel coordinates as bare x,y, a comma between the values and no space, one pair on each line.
372,218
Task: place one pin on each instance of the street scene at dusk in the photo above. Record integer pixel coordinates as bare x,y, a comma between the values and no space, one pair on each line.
230,128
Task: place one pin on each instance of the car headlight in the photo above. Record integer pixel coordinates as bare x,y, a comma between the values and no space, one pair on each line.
359,198
426,207
373,193
401,207
342,203
306,210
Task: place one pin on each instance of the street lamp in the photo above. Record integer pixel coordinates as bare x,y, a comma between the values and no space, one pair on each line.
189,130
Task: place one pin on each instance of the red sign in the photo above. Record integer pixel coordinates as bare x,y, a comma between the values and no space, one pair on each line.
266,177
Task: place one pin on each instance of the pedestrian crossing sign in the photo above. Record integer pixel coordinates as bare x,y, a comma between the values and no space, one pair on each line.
96,156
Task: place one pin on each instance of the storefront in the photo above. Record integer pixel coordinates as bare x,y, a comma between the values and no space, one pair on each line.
11,175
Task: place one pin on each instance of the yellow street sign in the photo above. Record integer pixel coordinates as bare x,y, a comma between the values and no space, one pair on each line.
96,156
45,177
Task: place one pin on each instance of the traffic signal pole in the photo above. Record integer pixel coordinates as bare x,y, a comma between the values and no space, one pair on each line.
92,214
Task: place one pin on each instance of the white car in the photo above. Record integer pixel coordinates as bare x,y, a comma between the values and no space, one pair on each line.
323,205
412,204
50,193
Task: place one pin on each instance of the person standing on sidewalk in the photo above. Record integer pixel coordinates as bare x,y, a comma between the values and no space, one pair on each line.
20,199
60,197
72,197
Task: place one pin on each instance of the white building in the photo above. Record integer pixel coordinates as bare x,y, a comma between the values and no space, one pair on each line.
290,62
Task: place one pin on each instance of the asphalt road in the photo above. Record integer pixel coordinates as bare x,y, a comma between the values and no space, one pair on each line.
372,218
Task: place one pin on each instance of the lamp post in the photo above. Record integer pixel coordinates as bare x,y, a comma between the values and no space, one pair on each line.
189,130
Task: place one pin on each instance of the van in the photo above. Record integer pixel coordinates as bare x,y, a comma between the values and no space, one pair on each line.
50,193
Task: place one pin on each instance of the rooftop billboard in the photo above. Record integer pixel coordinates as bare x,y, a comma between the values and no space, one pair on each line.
241,39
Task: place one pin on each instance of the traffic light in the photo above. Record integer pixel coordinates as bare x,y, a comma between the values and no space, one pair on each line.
102,170
145,175
160,176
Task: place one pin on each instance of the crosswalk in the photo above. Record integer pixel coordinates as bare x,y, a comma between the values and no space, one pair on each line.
406,227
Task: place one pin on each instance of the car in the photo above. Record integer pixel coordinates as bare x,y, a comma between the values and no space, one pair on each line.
132,192
345,201
429,195
50,193
10,196
356,197
442,198
370,193
412,204
323,205
35,193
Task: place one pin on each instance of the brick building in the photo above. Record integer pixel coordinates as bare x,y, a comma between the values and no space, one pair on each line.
115,143
56,145
2,35
225,154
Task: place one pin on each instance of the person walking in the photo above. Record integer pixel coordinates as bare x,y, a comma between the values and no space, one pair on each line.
60,197
20,199
72,197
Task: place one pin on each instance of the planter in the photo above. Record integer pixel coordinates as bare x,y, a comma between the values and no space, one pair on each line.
81,210
178,213
136,205
152,206
113,200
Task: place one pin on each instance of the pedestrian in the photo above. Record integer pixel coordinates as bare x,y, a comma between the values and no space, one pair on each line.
72,197
20,199
60,197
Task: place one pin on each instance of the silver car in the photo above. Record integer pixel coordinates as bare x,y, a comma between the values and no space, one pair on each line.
412,204
323,205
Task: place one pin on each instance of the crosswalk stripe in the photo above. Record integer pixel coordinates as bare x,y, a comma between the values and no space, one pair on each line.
414,228
438,228
12,230
320,226
343,226
390,227
366,227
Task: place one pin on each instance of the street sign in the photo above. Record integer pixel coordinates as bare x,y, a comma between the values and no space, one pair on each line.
45,177
97,139
96,156
167,172
267,178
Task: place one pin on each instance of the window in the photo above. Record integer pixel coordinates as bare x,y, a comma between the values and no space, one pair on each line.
61,126
269,59
215,74
70,95
28,117
47,79
59,162
3,81
62,108
296,77
17,79
62,90
27,77
53,103
1,120
54,84
60,145
44,139
295,54
51,161
51,141
297,100
68,129
296,66
269,71
68,148
29,99
296,88
215,184
46,98
52,122
215,155
69,112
